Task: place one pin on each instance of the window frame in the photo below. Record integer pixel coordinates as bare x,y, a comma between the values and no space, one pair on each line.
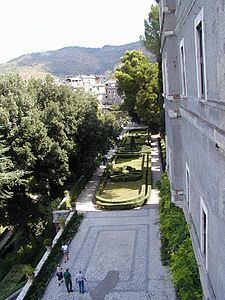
187,184
200,59
165,75
204,231
183,68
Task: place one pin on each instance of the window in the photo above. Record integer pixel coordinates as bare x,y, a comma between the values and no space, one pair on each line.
200,55
204,231
183,69
187,177
165,75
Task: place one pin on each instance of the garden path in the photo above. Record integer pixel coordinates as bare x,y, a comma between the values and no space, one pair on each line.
117,250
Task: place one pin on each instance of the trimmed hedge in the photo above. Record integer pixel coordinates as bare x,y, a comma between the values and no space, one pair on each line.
162,150
41,280
176,247
132,175
120,176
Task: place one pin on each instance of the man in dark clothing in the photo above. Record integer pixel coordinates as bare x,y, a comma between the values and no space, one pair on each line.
68,281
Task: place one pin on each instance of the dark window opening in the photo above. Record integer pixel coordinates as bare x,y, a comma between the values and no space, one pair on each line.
200,60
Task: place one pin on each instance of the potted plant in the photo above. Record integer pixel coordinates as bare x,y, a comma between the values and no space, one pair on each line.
28,270
48,243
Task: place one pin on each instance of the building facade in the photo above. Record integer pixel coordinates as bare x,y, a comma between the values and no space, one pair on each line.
193,67
106,90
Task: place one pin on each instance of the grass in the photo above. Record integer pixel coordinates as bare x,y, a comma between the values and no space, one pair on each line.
138,131
134,163
121,190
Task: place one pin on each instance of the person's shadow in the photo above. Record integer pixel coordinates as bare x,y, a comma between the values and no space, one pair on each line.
105,286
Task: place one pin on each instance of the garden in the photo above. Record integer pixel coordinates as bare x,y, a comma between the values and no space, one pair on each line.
126,181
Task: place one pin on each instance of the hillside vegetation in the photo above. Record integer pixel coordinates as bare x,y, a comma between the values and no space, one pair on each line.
69,60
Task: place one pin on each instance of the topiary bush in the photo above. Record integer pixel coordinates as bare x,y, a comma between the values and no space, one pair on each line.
132,175
176,247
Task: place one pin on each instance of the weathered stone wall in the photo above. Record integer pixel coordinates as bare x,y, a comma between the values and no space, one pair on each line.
196,134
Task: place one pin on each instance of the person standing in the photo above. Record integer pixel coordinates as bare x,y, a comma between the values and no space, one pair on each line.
80,280
68,280
59,274
65,250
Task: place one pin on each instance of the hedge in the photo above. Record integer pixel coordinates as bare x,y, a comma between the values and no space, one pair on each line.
176,247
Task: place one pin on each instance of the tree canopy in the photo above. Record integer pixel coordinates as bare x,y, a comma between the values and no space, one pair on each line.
152,42
137,80
151,38
49,134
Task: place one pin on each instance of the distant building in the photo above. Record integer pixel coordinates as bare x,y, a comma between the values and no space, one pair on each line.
193,64
106,91
111,94
89,81
74,82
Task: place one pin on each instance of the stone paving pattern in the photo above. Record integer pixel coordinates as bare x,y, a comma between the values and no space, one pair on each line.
117,250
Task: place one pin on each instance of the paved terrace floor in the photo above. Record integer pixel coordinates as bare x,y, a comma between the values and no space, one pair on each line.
117,250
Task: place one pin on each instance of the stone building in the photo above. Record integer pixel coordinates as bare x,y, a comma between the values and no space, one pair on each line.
193,64
111,96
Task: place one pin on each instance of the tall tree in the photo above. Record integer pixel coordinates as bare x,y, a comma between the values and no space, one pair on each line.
8,179
152,42
137,80
147,107
151,39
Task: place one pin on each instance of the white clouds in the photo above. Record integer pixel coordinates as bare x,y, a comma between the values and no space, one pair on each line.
40,25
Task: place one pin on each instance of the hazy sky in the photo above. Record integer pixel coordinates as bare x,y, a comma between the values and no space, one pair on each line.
39,25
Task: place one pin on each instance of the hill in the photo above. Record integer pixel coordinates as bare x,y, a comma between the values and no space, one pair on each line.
69,60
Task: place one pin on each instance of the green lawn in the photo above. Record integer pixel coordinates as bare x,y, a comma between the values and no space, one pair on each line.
121,190
132,162
124,190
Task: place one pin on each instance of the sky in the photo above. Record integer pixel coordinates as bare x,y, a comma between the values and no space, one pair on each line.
28,26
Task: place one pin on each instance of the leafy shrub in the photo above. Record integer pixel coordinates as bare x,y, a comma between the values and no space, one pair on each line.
162,148
176,247
47,242
28,270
